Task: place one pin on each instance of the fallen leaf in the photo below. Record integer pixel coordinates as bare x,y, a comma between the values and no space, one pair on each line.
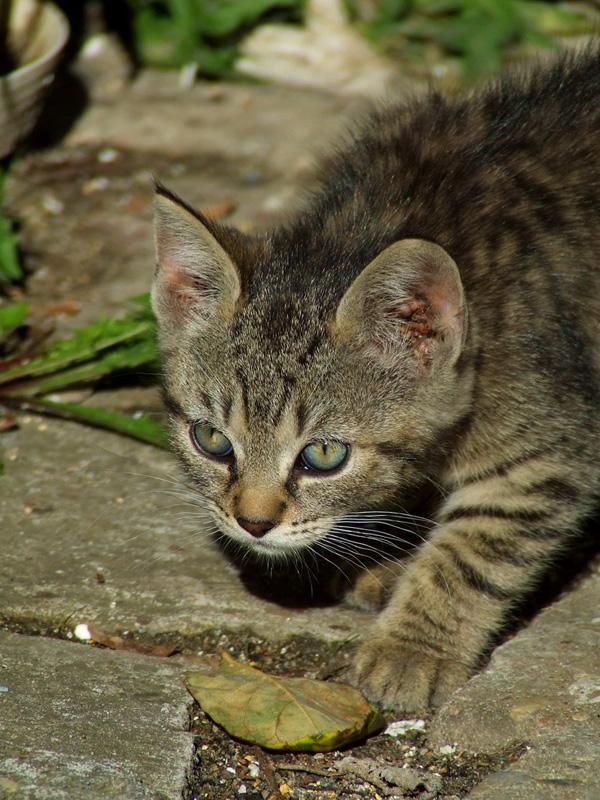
41,310
282,713
115,642
7,421
219,210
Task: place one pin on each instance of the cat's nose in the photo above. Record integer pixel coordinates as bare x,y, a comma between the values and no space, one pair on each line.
257,528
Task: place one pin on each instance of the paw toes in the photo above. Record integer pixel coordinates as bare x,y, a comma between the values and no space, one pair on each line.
404,679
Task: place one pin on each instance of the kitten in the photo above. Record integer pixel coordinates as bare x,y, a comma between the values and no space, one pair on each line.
432,317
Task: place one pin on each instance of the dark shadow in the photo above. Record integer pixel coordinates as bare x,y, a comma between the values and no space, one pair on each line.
118,17
7,62
66,101
309,581
571,567
302,585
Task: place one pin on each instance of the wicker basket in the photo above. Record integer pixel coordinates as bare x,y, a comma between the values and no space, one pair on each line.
37,34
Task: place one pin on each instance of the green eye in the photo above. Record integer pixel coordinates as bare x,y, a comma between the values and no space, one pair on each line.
323,456
210,441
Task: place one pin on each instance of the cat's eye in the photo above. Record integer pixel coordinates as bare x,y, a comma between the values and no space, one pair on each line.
323,455
210,441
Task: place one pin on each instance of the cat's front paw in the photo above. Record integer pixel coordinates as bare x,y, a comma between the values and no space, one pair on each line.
404,676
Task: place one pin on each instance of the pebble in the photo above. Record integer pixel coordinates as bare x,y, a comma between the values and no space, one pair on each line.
52,204
447,749
402,726
107,155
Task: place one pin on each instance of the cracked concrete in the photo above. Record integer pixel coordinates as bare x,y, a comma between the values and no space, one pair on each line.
66,712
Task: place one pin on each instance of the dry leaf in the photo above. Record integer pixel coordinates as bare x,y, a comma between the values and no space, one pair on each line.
115,642
8,421
282,713
219,210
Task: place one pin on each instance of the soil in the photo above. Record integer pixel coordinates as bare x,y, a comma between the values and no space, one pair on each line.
225,768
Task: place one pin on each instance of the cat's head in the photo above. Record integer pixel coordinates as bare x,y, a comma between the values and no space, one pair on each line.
299,396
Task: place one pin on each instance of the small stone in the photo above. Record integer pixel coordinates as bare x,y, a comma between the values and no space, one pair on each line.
82,632
447,749
94,185
107,155
252,176
402,726
52,204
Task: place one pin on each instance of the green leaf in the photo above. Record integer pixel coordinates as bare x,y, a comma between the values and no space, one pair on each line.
10,268
11,317
139,426
86,343
161,40
172,33
119,359
227,16
283,713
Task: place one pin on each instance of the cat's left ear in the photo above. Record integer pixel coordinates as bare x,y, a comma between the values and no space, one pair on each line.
407,305
195,277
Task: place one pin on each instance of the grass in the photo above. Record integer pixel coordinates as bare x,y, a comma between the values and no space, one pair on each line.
475,35
108,348
173,33
10,267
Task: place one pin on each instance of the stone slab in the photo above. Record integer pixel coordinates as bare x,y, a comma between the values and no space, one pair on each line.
542,687
78,722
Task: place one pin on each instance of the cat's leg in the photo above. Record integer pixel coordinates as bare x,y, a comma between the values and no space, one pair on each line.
373,586
494,542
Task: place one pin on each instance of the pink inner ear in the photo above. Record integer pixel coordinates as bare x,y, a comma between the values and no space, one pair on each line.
176,283
178,289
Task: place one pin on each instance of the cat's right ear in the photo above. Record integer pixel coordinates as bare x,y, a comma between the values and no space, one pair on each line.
195,278
407,307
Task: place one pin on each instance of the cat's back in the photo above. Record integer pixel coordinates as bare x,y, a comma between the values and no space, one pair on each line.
505,178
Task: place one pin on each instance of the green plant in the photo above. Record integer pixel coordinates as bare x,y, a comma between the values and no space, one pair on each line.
10,268
172,33
477,32
117,347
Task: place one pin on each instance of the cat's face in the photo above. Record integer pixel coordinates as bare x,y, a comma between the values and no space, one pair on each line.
290,411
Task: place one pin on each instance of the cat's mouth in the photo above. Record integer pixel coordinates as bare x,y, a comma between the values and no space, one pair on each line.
281,541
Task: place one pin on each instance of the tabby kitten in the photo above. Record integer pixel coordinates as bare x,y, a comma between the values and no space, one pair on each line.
432,317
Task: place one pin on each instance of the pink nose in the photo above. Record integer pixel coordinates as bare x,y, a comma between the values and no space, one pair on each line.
257,528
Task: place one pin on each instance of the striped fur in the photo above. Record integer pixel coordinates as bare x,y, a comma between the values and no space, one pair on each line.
437,308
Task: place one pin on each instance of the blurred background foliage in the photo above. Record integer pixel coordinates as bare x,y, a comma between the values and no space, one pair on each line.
475,35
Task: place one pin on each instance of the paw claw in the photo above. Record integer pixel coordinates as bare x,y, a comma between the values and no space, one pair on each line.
400,676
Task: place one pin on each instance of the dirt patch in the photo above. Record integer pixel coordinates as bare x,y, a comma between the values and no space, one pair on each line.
225,768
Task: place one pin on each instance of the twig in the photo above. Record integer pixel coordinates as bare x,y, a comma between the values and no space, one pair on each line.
310,770
34,406
266,765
